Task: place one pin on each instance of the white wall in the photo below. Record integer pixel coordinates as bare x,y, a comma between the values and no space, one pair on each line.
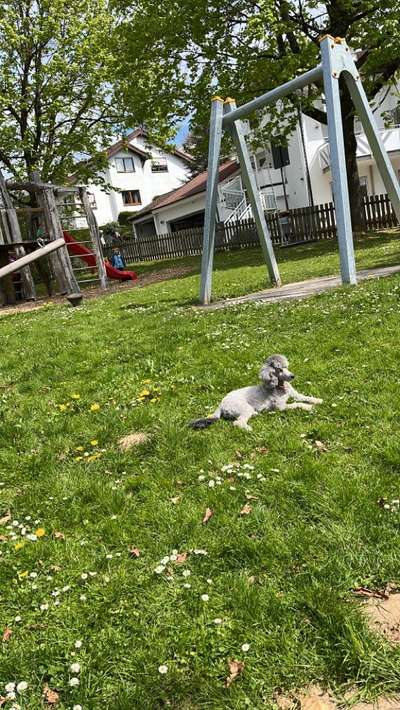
143,179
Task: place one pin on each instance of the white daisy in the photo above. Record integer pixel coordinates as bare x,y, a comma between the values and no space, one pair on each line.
160,569
9,687
75,668
186,573
164,560
84,575
245,647
77,707
78,644
74,682
204,597
217,621
187,585
163,669
22,686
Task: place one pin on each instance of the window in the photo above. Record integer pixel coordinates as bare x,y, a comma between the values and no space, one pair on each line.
264,160
395,116
125,165
131,197
159,165
92,201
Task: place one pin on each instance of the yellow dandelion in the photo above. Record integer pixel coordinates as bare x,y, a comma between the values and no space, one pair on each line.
75,396
146,382
40,532
94,442
93,457
19,546
154,399
62,407
144,393
80,448
94,407
78,458
21,575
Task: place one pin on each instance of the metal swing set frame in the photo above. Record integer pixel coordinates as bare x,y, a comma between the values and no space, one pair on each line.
336,60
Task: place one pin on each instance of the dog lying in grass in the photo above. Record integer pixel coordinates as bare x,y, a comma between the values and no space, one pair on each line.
271,395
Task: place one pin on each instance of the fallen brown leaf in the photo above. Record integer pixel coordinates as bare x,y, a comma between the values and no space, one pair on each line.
262,450
207,515
246,509
235,669
3,700
59,535
51,696
3,538
134,439
6,634
134,552
320,445
365,592
6,518
181,558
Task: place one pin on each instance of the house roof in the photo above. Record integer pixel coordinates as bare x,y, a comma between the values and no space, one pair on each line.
194,186
124,144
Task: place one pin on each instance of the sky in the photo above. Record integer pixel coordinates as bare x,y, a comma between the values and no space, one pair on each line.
183,130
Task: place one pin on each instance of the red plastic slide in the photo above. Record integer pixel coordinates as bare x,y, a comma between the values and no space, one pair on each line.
75,248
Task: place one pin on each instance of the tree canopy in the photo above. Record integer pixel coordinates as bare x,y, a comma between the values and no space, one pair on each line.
56,99
182,52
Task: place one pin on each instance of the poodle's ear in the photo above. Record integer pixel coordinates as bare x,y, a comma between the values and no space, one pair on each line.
267,375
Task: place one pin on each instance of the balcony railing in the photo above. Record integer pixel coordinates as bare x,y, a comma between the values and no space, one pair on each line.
390,138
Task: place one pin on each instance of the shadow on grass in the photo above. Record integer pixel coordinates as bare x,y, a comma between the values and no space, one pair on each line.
224,261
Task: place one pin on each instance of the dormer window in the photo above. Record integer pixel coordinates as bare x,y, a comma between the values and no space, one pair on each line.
159,165
125,165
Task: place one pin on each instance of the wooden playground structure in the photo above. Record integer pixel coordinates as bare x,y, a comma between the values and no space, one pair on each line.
42,242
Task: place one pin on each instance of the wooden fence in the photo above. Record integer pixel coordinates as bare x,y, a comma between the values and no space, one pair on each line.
305,224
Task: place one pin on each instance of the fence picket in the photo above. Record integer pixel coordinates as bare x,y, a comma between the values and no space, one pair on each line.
304,224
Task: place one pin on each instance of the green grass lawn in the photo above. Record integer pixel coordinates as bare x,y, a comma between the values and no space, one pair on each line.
279,579
243,271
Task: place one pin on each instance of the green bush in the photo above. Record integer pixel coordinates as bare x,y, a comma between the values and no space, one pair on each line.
123,218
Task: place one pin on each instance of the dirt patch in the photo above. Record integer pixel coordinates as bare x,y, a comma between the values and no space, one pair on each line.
383,616
134,439
314,698
96,292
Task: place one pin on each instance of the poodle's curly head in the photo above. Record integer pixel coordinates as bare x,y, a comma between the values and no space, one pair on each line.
275,371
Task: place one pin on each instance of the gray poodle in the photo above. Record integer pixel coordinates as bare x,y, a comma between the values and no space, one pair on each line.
272,394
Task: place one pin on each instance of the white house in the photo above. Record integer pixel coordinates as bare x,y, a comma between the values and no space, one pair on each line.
304,179
387,116
138,172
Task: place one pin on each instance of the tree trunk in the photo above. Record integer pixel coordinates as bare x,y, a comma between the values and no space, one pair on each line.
350,147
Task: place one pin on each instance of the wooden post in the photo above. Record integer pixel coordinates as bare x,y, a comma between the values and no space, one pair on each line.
62,266
14,235
95,237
